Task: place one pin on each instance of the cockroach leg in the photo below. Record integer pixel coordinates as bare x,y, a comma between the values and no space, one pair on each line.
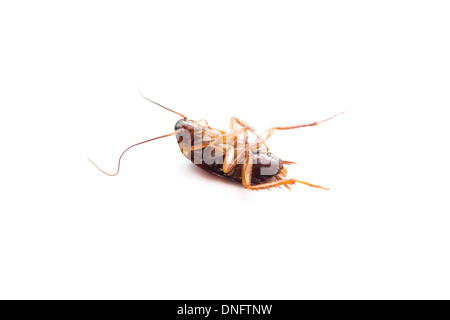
281,173
248,166
228,165
233,133
204,120
235,121
246,177
310,184
247,170
268,133
201,146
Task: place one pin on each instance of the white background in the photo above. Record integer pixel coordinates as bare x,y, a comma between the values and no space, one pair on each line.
162,229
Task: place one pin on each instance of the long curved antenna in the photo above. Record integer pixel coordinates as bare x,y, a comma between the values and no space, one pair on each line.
184,117
134,145
331,117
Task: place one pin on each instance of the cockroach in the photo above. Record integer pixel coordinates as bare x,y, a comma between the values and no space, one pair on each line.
227,155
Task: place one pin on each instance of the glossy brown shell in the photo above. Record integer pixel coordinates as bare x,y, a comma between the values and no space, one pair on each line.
265,164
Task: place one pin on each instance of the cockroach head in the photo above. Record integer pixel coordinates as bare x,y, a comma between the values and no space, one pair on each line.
184,124
179,124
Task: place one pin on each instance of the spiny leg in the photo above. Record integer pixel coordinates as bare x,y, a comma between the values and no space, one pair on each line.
280,183
247,167
229,164
247,170
279,177
222,142
219,143
262,139
310,184
230,161
201,145
247,178
204,120
206,125
268,133
234,122
247,147
222,137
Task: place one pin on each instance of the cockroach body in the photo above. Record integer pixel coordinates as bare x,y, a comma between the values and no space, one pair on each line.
266,166
227,155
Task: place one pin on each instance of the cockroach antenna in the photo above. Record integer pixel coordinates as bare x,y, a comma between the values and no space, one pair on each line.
134,145
140,92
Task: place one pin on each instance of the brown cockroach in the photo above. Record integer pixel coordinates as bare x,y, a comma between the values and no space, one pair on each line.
226,155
